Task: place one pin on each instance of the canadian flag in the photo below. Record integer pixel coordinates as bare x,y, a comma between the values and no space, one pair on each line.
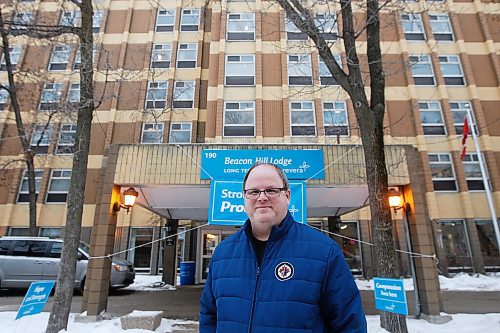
465,134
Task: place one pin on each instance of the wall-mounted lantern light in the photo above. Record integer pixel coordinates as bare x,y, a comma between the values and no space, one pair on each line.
395,200
130,195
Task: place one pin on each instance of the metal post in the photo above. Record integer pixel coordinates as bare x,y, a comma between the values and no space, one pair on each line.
483,175
406,208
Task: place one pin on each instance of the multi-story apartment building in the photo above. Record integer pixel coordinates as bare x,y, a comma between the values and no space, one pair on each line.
176,77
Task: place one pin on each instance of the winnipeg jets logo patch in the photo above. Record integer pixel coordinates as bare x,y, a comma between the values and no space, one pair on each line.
283,271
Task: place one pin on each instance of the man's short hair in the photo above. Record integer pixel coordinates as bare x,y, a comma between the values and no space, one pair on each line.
281,174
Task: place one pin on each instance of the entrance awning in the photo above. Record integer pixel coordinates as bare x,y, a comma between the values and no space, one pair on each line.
191,202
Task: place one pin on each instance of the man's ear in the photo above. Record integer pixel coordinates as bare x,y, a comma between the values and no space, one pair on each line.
288,194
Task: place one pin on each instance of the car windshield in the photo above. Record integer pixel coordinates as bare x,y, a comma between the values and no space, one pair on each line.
84,247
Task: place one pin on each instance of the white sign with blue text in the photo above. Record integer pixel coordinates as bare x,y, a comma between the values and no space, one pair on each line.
234,163
390,295
227,202
35,298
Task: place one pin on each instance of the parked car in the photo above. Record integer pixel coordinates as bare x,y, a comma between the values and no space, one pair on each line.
27,259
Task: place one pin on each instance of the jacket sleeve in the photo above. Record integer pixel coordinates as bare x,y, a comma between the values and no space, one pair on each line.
208,309
340,301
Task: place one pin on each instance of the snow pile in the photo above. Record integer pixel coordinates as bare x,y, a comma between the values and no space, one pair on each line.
149,283
463,323
38,324
476,282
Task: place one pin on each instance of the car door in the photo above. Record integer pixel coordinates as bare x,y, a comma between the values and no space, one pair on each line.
53,260
51,266
26,263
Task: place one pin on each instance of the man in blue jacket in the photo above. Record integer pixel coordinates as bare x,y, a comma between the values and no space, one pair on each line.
277,275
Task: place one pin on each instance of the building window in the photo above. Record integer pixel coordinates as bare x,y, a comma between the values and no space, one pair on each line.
21,20
293,32
422,72
50,232
239,119
441,27
472,172
327,25
15,54
78,60
165,20
413,26
15,231
459,112
453,240
303,121
51,96
74,93
160,55
156,96
96,21
335,118
4,96
241,26
59,58
240,70
488,243
183,94
24,189
431,118
299,70
325,77
443,174
58,186
190,19
66,141
152,133
40,138
180,133
186,55
70,18
451,70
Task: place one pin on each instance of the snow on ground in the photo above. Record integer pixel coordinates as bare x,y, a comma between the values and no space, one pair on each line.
462,281
463,323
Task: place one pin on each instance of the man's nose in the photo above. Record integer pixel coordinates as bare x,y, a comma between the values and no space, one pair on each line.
262,196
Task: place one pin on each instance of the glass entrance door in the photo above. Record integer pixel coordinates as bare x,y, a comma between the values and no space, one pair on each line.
141,256
209,241
350,247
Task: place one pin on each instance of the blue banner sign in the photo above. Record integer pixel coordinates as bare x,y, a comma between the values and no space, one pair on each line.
233,164
227,202
390,295
35,298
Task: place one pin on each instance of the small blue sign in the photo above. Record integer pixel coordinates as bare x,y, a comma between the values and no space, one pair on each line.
35,298
390,295
227,202
234,164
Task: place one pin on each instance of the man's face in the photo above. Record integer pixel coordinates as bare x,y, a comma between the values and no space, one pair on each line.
264,210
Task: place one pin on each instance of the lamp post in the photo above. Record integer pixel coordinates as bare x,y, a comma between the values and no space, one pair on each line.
396,201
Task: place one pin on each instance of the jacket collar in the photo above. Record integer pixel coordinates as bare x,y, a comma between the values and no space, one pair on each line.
277,232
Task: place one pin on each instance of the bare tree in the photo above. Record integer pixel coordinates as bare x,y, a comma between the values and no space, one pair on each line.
38,30
369,112
58,319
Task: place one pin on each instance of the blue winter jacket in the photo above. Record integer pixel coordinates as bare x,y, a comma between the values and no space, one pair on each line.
303,285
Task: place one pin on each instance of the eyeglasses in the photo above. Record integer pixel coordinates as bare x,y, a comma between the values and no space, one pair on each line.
272,192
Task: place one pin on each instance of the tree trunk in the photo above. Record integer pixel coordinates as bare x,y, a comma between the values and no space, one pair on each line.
29,154
387,264
58,319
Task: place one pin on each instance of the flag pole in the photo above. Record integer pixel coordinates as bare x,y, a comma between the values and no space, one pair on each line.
493,213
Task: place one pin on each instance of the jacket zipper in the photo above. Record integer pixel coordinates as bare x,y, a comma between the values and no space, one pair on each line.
254,299
257,279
